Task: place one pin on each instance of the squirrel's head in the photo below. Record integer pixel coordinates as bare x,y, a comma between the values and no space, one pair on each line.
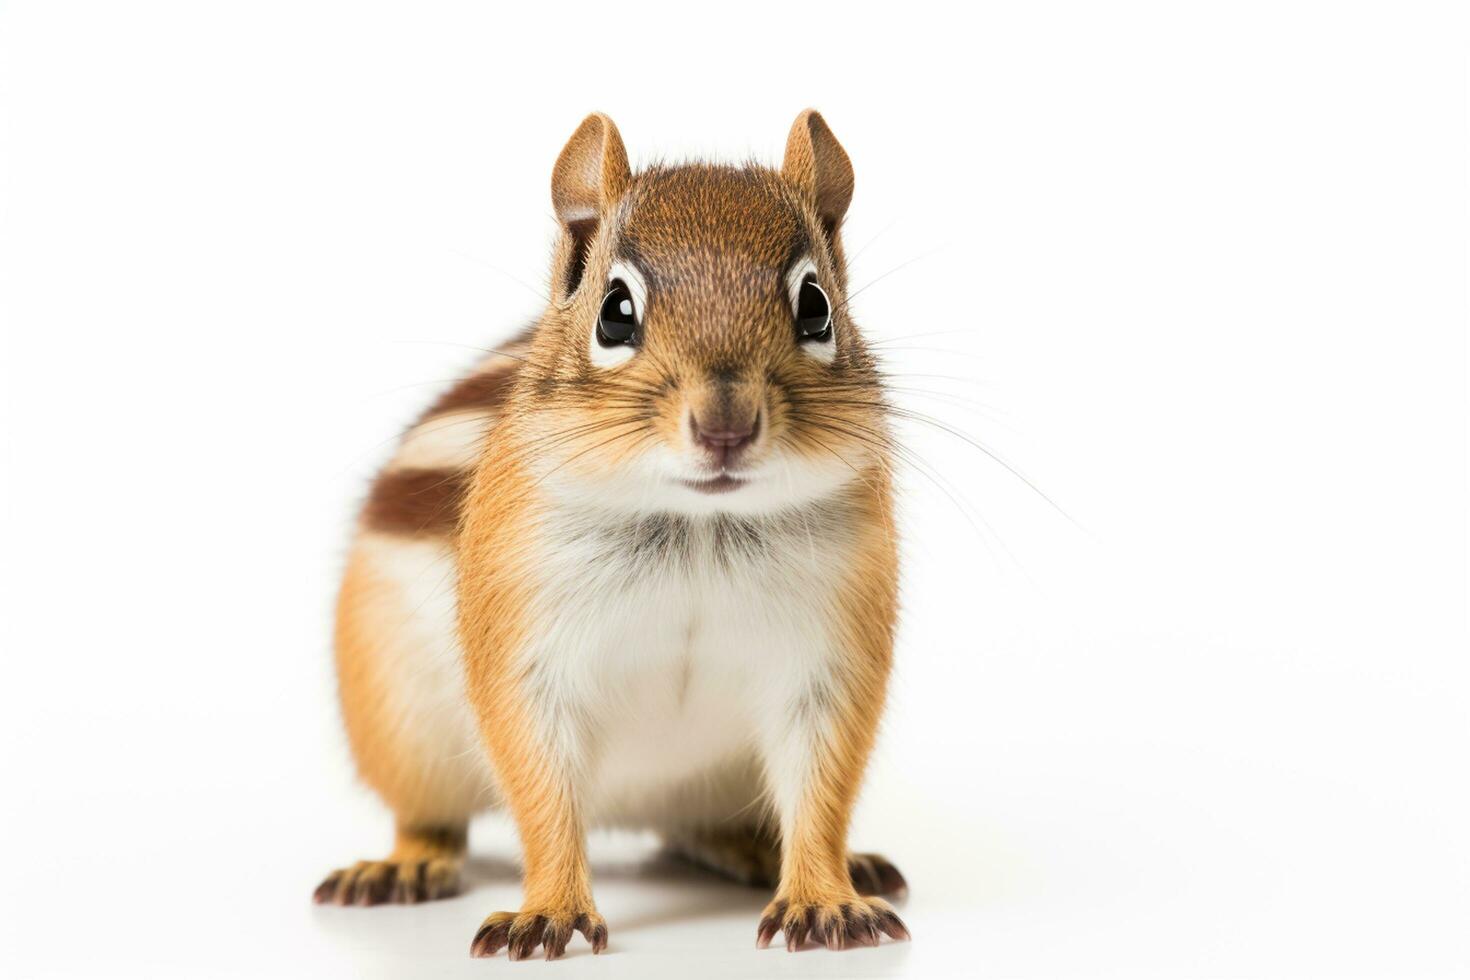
698,356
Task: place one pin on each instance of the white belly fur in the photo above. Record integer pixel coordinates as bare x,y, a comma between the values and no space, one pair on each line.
655,681
419,661
661,674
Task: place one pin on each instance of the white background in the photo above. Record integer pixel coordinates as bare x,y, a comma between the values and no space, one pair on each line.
1198,271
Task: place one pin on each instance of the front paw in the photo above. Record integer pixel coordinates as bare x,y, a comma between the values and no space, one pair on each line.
837,925
519,933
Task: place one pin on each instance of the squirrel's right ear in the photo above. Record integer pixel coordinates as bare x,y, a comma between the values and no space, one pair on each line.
589,179
592,172
817,163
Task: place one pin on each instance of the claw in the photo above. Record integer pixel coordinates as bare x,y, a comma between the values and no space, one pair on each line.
327,890
493,935
525,936
597,937
770,925
796,928
854,923
520,935
376,882
873,874
558,933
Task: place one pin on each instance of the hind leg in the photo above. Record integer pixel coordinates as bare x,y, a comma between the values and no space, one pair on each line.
409,725
873,874
751,855
747,855
425,864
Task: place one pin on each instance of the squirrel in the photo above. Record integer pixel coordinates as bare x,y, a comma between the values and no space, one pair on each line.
638,568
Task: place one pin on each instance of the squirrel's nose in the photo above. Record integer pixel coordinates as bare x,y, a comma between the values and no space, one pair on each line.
723,438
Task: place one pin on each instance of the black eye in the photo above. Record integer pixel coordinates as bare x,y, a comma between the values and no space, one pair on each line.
617,321
813,313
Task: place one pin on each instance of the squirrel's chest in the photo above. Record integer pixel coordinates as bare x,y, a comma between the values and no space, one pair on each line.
674,643
627,598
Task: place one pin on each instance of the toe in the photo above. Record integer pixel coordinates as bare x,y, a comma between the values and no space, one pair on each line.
374,884
594,929
441,879
770,924
888,921
408,884
797,927
525,935
327,890
891,883
864,874
859,927
347,884
558,933
493,935
873,874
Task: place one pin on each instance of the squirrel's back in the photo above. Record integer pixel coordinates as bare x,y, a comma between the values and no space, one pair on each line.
400,667
418,492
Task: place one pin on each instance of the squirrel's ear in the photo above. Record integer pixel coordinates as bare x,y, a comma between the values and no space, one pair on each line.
818,164
592,172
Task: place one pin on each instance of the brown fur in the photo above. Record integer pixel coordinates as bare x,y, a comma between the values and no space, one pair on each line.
486,390
494,601
425,865
817,897
715,243
751,855
420,795
415,502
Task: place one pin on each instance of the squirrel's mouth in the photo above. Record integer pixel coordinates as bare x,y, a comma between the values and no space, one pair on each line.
723,483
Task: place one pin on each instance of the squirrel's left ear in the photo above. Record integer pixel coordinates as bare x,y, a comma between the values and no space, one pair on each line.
818,164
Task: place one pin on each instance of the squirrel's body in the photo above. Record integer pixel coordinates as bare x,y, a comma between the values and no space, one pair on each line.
650,583
682,691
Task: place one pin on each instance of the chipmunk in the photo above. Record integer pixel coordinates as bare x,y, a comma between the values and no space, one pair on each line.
639,567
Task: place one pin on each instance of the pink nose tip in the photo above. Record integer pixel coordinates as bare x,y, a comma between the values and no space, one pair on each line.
724,442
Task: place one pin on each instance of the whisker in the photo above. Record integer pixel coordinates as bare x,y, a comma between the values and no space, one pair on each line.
578,455
916,336
853,294
916,416
483,350
881,232
540,294
904,454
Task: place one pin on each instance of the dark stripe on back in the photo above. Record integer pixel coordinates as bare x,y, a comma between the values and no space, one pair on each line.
416,501
489,388
486,390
